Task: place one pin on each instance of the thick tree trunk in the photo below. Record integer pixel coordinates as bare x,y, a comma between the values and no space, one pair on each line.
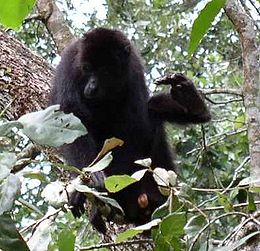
245,27
24,78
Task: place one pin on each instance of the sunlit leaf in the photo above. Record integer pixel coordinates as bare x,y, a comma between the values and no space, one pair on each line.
139,174
52,127
66,240
161,176
116,183
203,23
144,162
13,12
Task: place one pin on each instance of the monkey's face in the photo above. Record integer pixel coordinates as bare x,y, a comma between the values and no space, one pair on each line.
104,81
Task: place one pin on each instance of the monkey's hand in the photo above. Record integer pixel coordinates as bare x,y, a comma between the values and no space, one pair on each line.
184,104
185,93
77,199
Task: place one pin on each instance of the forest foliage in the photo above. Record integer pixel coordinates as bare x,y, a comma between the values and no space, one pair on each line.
211,193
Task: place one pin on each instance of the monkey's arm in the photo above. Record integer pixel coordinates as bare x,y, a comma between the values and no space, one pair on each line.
183,105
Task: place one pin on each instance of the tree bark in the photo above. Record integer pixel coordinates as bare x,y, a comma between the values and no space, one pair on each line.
55,23
245,27
24,78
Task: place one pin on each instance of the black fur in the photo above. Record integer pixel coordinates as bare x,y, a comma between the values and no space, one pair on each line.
101,80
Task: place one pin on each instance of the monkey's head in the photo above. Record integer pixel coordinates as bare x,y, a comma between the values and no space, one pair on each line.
105,62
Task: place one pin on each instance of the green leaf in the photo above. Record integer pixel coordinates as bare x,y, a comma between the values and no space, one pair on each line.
10,239
130,233
116,183
203,23
13,12
9,188
225,202
161,244
251,202
52,127
100,165
36,175
238,243
66,240
173,225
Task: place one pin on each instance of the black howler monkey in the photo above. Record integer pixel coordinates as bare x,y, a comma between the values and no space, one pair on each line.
101,80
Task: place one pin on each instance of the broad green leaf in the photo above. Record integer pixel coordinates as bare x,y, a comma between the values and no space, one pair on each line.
52,127
6,127
100,165
9,189
13,12
203,23
66,240
116,183
161,244
130,233
10,239
235,245
173,225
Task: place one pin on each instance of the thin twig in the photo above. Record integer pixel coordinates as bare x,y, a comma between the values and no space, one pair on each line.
108,245
220,207
237,171
235,92
211,222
